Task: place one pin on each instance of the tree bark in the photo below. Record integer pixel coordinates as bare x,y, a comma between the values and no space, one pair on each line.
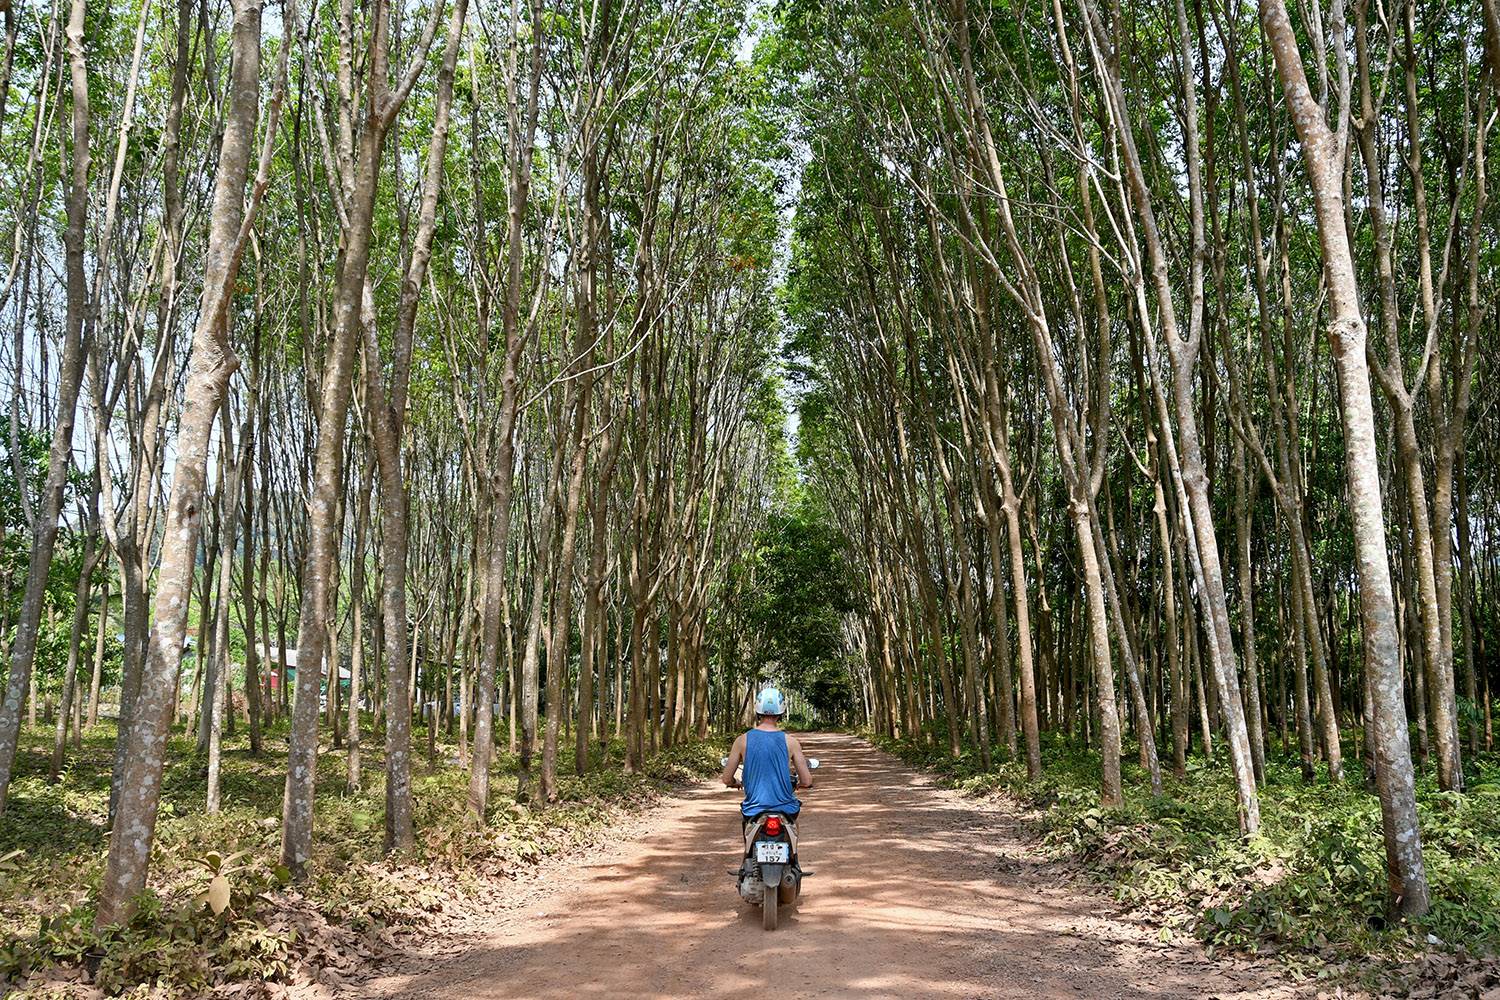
521,133
319,572
91,554
230,486
1321,152
211,365
69,382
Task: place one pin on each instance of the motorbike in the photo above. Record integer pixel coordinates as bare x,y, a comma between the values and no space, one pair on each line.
769,875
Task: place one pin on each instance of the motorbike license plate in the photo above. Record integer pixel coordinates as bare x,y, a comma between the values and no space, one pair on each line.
772,852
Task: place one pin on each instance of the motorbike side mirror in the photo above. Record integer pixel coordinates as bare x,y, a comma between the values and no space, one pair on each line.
723,761
812,763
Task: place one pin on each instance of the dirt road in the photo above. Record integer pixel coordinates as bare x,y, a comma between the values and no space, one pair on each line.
918,893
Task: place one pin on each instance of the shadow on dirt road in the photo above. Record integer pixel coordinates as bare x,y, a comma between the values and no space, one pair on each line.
917,893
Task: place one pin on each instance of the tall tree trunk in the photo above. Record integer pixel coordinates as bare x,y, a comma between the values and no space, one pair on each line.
521,133
69,382
1243,498
91,556
251,596
353,737
1184,352
230,487
1438,669
101,633
388,411
319,573
210,367
1179,690
1321,152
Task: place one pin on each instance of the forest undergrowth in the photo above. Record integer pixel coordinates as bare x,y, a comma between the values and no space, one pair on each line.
1309,889
186,939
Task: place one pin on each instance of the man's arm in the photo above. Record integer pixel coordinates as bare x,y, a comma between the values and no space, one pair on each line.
799,761
736,758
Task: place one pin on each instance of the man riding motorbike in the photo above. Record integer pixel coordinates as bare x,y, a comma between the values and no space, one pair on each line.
768,754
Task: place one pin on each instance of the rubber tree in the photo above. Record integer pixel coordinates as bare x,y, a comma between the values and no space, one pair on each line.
320,566
48,506
1323,159
212,363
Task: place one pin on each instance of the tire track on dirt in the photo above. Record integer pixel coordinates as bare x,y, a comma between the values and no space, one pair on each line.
918,892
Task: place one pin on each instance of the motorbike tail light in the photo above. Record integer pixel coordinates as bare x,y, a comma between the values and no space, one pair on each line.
773,826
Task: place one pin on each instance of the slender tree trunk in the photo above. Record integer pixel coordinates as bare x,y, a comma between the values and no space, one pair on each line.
250,595
75,643
562,573
70,380
1406,876
388,408
99,650
530,666
1300,695
228,497
1184,352
212,362
353,739
1242,518
319,573
593,638
1180,692
521,131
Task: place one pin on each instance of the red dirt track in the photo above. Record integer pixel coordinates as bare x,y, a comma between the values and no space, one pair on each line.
918,892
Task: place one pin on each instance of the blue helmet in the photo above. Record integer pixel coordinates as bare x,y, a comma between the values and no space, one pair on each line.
770,702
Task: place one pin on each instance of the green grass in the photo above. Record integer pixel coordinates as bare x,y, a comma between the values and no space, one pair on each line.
53,842
1310,887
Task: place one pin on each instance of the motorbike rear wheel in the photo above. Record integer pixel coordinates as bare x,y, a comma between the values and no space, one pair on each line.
768,909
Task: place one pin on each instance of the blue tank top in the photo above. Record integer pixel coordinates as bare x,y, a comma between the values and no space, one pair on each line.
768,774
